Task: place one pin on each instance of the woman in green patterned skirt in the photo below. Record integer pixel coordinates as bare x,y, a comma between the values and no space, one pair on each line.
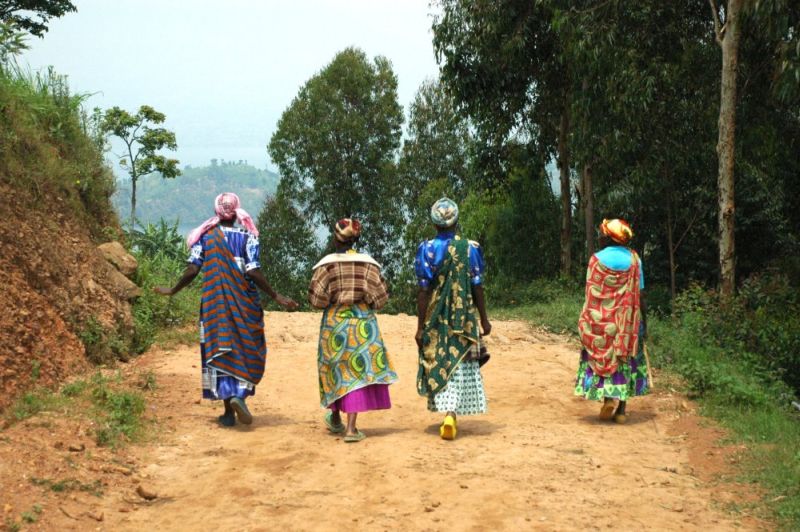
354,369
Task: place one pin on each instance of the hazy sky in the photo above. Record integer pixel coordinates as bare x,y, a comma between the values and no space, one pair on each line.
224,72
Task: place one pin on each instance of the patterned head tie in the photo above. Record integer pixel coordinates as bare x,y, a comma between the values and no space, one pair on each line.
617,230
347,230
444,213
226,207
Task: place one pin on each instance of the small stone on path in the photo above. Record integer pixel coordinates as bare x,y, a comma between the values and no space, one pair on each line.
145,493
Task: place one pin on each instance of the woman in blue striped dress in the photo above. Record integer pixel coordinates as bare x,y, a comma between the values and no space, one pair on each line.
232,345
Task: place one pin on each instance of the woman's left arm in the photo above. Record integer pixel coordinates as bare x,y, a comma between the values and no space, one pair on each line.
377,293
263,284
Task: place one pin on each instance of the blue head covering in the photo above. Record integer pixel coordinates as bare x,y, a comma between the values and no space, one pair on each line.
444,213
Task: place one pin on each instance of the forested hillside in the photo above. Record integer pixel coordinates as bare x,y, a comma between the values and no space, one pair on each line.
189,197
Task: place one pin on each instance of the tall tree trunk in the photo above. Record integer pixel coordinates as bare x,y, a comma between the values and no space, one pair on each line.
133,200
671,249
588,208
728,36
566,196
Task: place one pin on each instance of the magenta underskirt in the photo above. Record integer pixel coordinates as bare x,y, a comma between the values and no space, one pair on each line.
372,397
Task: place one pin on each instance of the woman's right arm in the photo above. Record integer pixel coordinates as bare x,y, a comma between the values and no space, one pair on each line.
188,276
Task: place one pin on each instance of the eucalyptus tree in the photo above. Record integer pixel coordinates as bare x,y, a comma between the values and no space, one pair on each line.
288,245
642,120
727,31
336,146
781,20
505,63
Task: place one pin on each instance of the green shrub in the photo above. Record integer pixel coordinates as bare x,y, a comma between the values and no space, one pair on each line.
759,330
158,239
147,381
69,484
32,403
552,304
161,253
74,389
102,345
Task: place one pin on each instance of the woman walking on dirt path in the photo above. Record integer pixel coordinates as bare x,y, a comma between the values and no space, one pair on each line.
450,297
612,325
233,350
354,368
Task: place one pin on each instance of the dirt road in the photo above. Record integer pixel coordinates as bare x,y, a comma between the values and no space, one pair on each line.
539,460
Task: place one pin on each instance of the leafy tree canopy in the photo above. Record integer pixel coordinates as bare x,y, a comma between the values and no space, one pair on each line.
33,16
336,144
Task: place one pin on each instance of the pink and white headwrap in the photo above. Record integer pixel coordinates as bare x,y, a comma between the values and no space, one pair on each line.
226,205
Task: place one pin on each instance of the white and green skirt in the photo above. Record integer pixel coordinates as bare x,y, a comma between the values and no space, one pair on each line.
463,393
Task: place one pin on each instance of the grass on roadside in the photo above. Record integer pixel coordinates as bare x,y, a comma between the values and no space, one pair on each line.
115,405
69,484
559,316
173,337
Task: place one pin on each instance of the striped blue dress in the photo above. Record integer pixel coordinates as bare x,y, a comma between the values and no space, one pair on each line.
244,248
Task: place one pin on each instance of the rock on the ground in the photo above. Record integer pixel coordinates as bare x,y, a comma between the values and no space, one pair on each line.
146,494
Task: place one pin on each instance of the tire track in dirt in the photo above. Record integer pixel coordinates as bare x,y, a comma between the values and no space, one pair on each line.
538,460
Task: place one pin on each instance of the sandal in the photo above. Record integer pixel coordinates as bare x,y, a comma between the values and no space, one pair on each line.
332,427
607,410
355,438
620,418
242,413
448,430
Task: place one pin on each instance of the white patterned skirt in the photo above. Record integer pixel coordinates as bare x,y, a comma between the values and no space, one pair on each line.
463,393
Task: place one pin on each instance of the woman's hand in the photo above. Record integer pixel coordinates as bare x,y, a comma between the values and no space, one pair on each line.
163,290
487,327
286,302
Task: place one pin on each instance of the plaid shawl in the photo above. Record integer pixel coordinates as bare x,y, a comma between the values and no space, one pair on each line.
343,279
609,322
451,326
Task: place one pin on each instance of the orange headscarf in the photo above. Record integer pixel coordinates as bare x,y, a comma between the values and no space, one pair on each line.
617,230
